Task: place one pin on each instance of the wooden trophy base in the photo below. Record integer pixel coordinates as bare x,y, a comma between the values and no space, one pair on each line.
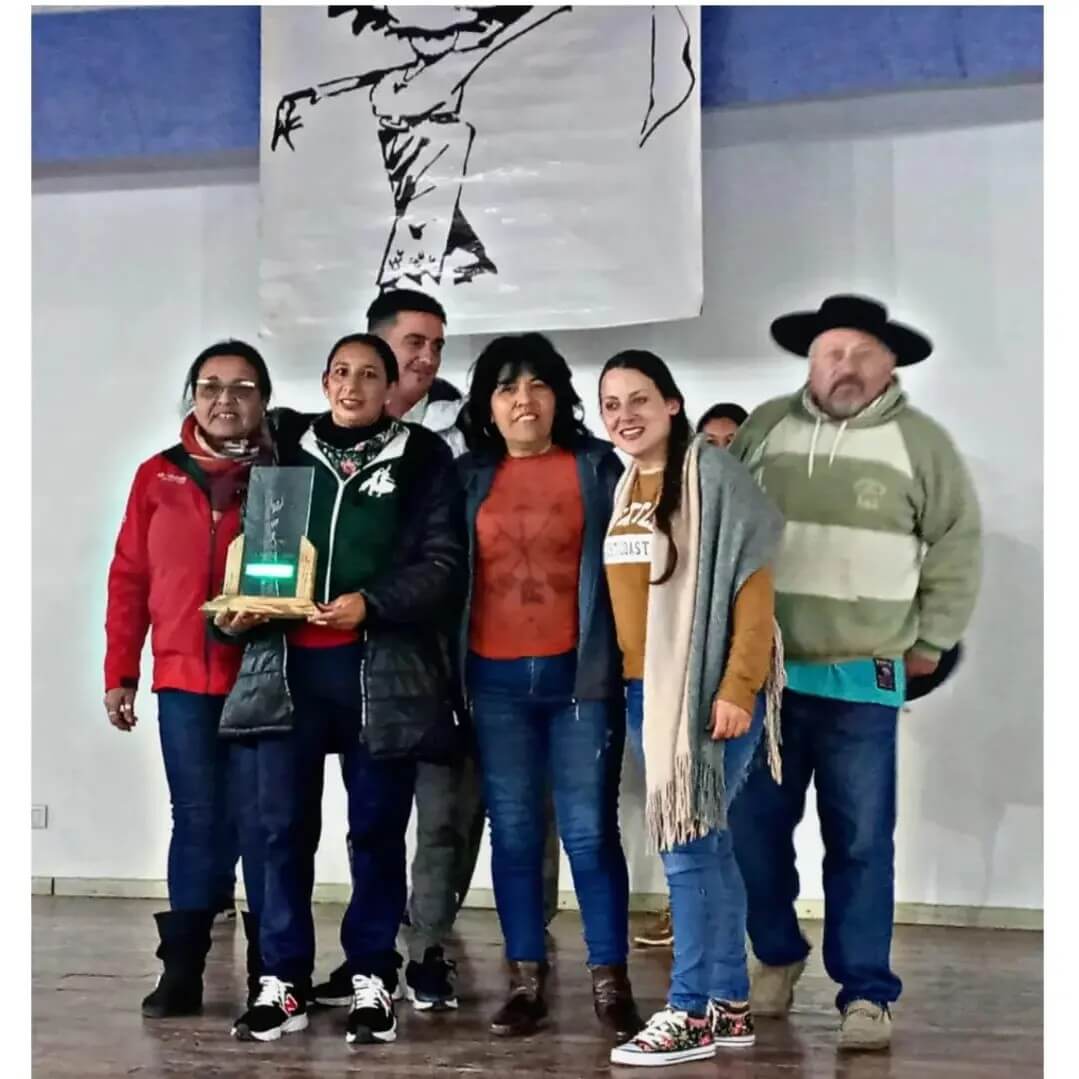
235,602
267,605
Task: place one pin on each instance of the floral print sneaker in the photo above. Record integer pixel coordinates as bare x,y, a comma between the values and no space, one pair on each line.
669,1037
732,1024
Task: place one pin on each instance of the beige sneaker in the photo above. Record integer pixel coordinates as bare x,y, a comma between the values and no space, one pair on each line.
772,988
658,934
865,1026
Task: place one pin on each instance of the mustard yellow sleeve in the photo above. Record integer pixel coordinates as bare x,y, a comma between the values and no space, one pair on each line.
750,656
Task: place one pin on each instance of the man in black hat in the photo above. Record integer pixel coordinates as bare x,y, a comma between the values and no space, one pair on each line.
876,580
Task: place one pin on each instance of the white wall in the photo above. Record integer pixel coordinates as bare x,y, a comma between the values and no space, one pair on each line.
930,200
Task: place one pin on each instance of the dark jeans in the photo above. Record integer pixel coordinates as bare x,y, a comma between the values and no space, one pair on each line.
209,779
850,752
325,688
531,734
708,899
228,854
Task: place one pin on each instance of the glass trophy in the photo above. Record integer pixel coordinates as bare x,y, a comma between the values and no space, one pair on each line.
270,567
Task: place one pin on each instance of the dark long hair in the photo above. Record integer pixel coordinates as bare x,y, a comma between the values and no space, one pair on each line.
504,360
670,497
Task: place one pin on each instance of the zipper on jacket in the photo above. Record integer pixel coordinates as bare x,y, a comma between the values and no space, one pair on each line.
333,533
340,497
206,644
363,685
586,600
284,667
342,483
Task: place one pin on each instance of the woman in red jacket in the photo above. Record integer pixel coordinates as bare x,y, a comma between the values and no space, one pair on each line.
182,513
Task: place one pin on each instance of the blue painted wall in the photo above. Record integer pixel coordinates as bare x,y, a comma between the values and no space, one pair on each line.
757,55
185,81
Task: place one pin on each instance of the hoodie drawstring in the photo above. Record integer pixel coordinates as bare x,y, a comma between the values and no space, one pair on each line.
813,446
835,445
814,440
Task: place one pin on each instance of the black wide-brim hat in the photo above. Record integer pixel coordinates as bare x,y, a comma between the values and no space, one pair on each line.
926,683
797,331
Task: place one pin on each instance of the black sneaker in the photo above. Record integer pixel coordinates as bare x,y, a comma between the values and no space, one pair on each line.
280,1008
336,991
372,1018
432,983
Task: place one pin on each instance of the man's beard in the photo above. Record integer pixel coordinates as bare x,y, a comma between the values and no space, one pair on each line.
843,406
843,410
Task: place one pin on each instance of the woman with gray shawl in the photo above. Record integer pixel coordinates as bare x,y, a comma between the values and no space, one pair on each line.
688,556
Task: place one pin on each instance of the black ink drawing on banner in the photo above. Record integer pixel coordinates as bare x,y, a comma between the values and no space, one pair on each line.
417,104
666,32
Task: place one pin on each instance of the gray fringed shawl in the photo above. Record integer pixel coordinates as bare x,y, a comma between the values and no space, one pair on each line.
725,530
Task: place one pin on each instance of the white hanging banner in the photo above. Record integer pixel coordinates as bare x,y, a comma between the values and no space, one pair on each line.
531,167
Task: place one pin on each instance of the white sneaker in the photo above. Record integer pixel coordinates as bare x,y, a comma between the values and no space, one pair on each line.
371,1018
278,1009
669,1037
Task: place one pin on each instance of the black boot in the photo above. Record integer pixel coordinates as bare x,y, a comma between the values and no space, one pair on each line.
185,940
254,956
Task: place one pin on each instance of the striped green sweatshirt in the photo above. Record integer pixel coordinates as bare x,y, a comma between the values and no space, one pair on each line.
882,546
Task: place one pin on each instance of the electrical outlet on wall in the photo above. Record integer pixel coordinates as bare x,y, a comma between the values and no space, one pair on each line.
39,816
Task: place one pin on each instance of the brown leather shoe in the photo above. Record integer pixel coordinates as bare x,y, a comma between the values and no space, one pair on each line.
526,1010
657,934
612,997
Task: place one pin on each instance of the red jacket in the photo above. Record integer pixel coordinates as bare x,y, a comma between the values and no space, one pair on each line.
169,559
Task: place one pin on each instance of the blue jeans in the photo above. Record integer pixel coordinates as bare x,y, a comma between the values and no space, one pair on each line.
708,899
208,779
531,733
849,750
228,854
325,688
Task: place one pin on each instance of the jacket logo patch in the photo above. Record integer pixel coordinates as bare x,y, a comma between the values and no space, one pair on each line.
869,493
171,477
379,483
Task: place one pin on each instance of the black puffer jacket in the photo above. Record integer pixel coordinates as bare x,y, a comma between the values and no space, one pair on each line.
405,688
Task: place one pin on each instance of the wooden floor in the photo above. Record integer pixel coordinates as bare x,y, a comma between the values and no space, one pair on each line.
972,1008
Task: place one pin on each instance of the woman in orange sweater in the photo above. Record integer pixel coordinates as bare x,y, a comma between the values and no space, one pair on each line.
541,667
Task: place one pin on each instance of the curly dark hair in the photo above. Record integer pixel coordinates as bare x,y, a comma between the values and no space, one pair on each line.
504,360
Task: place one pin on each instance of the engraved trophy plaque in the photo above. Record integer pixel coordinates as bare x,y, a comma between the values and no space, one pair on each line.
270,568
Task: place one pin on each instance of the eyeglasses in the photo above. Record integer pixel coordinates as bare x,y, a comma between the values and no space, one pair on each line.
211,389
